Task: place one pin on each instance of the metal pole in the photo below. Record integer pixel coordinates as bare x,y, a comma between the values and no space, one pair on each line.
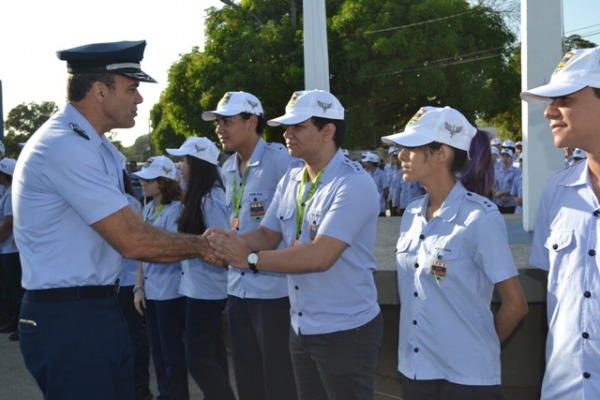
316,58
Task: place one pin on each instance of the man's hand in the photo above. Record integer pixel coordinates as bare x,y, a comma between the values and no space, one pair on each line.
229,246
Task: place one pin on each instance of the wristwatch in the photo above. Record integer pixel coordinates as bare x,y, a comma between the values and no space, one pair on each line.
138,287
252,260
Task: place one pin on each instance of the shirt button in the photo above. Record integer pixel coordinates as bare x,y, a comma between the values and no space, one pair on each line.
421,237
416,349
592,252
587,294
242,273
416,265
587,375
416,294
596,213
296,287
554,246
414,322
299,314
585,335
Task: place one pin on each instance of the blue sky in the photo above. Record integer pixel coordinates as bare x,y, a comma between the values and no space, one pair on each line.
32,31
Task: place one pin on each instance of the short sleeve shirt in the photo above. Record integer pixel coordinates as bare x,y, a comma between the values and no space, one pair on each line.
566,243
67,178
200,280
267,164
447,269
344,206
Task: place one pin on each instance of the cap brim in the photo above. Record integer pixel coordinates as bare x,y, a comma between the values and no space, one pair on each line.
212,115
289,119
138,76
550,91
406,139
144,174
177,152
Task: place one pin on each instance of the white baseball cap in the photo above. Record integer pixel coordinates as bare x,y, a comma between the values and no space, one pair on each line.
508,152
306,104
7,165
393,150
369,157
508,143
495,150
496,142
199,147
156,167
234,103
577,70
435,124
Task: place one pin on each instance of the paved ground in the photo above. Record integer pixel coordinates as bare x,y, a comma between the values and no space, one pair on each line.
17,384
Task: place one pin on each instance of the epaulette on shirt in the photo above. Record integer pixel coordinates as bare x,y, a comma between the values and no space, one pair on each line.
485,203
79,131
277,147
356,166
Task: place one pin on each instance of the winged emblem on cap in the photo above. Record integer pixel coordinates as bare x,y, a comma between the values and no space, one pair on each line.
199,149
253,104
452,129
167,170
324,106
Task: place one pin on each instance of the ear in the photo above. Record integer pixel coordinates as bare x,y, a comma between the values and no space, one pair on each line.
328,132
443,154
253,121
98,91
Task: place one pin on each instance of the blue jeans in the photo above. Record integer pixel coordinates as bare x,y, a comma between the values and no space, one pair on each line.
339,365
259,330
78,349
165,320
205,348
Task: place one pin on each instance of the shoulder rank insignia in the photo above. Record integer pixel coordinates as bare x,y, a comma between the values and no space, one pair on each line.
79,131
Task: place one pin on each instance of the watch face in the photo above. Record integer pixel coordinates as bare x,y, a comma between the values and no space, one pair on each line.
252,258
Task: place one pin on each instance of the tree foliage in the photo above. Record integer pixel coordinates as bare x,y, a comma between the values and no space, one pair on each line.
387,59
22,122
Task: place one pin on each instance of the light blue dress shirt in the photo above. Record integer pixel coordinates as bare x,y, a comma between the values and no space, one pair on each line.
200,280
130,267
268,163
381,182
345,206
8,245
64,182
566,243
447,269
161,280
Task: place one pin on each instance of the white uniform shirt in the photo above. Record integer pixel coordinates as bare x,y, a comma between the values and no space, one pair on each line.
344,206
381,181
268,163
64,182
447,269
200,280
565,243
161,281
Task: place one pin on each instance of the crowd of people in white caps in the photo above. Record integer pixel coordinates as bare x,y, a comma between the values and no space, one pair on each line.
396,193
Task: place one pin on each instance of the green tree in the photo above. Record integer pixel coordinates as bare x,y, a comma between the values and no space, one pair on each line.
22,122
387,58
577,42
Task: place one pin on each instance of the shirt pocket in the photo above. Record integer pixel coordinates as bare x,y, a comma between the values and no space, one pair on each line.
404,256
441,259
561,247
287,223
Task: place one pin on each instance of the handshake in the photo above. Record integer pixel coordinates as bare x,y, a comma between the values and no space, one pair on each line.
226,248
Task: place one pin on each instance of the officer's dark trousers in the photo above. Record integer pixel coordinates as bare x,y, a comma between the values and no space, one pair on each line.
77,349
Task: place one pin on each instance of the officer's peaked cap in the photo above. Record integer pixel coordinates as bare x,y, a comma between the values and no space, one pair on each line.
121,58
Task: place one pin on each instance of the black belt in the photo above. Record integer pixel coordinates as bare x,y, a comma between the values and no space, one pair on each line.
72,293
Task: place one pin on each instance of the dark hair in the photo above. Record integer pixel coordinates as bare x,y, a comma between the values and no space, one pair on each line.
474,169
128,185
170,190
79,84
340,128
260,124
203,176
7,177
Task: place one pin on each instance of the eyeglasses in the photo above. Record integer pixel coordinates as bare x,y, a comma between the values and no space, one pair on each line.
148,180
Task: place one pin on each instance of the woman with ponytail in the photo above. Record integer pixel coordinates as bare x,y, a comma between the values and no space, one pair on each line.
452,251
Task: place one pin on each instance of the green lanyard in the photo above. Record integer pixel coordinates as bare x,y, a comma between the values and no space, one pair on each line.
237,197
301,205
161,208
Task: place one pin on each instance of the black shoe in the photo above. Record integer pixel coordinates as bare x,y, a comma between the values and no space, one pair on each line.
14,337
143,393
9,327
